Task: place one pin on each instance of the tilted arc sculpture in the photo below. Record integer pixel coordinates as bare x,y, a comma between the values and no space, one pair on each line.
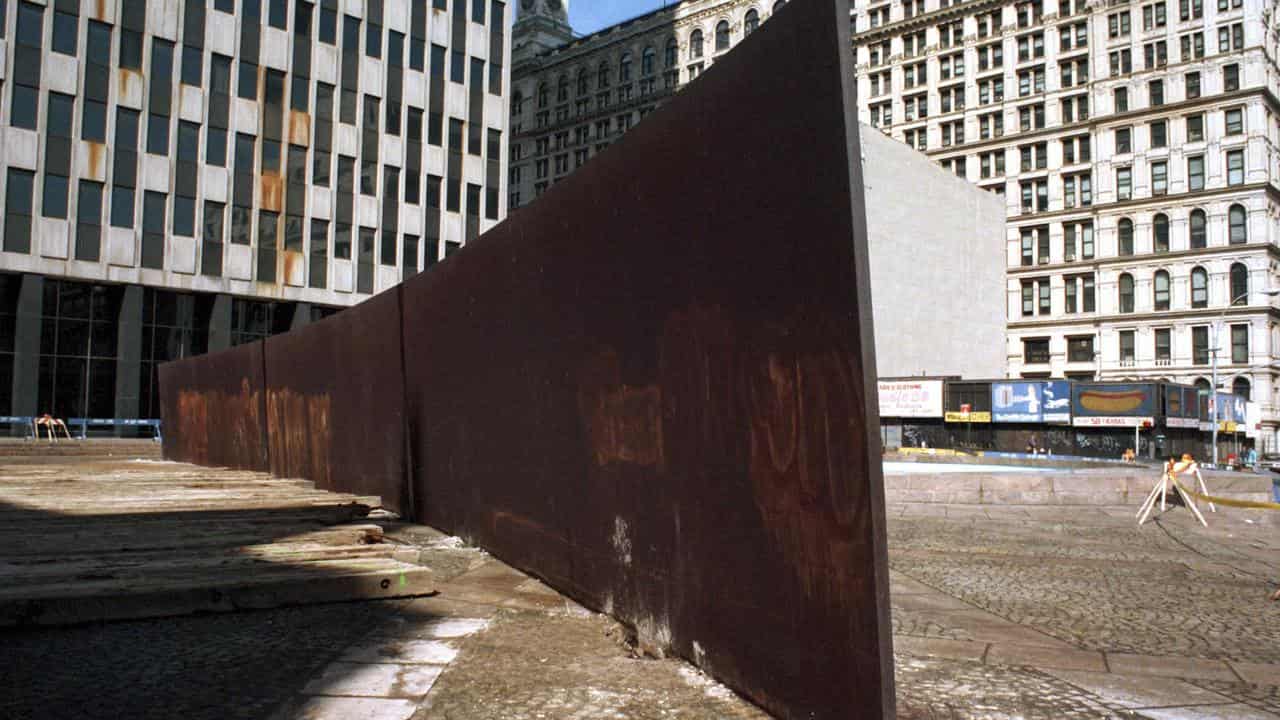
653,387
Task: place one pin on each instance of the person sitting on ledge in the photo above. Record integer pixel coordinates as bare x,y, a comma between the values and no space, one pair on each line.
1129,455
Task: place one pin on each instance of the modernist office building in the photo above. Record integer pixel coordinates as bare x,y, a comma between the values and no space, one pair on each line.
1137,149
185,176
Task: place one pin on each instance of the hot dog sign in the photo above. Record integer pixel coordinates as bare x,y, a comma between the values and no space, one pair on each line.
1113,405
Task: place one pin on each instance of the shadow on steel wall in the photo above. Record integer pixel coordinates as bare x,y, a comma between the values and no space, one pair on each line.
653,388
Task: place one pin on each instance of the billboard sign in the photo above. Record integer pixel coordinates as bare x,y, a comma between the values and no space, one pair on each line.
1112,421
910,398
1113,400
1181,407
1031,401
1057,401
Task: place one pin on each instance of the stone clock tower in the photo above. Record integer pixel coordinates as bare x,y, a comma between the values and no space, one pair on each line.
540,26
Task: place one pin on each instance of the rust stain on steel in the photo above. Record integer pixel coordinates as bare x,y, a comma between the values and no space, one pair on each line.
657,396
300,435
97,151
336,395
299,128
294,268
271,186
127,76
623,423
214,409
100,10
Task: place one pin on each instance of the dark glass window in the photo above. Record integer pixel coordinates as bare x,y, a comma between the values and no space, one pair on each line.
89,221
1239,284
124,174
17,210
329,21
57,155
277,14
94,124
213,238
192,66
27,66
247,85
65,29
133,22
268,231
26,102
373,29
153,204
319,275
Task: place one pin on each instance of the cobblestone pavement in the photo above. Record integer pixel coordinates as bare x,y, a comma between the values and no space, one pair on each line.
239,665
1101,583
997,613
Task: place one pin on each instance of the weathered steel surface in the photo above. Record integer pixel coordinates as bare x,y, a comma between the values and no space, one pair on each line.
214,409
651,387
335,402
654,387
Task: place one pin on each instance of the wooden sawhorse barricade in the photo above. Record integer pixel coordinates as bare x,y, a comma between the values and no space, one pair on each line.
1169,477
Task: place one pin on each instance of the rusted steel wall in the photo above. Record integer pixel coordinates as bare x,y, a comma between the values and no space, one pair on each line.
335,402
654,386
214,409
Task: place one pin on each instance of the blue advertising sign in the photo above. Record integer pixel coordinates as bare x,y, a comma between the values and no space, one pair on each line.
1031,402
1231,408
1057,401
1016,402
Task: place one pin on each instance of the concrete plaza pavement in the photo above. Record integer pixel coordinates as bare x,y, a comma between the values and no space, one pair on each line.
1008,611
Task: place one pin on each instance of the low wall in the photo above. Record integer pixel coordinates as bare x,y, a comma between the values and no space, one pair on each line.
1109,489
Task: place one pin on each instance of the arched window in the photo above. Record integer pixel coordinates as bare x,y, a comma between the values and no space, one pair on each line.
669,59
543,94
1160,290
695,44
1238,234
517,104
1239,284
624,68
722,36
646,61
1126,293
1126,237
584,81
1202,384
602,75
751,22
1241,387
779,4
1197,226
1199,288
562,89
1160,233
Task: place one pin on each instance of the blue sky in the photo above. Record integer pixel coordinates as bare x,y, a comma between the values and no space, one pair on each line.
587,16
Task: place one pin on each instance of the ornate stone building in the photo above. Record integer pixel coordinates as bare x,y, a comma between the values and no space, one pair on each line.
571,97
183,176
1137,147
